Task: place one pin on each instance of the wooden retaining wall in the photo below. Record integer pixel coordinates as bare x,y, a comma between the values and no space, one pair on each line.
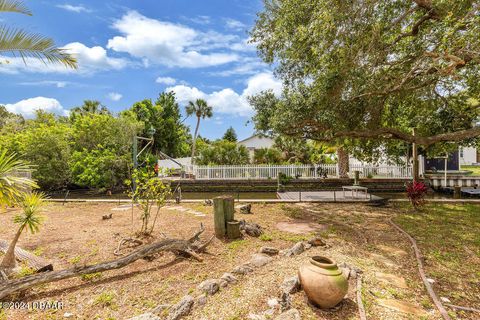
437,181
267,185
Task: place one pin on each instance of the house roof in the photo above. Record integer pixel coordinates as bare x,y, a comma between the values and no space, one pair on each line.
176,163
255,135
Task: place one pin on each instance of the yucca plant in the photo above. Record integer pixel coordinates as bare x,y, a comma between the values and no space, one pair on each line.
30,219
19,42
14,180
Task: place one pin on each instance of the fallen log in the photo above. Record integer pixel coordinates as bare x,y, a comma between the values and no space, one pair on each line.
421,271
38,264
188,248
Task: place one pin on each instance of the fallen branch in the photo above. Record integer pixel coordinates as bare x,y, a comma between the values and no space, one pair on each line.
361,307
185,247
36,263
136,242
462,308
427,284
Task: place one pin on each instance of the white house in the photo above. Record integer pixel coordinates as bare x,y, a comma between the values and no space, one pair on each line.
469,156
255,142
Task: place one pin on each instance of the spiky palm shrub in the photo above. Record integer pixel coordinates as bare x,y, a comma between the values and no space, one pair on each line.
14,180
29,218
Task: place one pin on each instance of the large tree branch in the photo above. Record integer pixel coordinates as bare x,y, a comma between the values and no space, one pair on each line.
415,28
424,4
395,134
456,61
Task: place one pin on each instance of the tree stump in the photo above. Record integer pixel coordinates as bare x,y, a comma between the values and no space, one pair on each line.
233,229
223,208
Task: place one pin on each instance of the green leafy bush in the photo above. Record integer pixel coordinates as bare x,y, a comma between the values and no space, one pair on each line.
223,152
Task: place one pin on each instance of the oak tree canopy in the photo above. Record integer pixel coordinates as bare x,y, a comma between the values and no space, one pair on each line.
370,69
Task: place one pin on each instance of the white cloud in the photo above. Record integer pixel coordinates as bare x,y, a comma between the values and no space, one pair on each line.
248,66
262,82
227,100
235,24
169,44
90,60
94,57
200,19
169,81
115,96
72,8
47,83
28,107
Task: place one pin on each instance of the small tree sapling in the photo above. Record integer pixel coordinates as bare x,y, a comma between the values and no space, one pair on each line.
149,192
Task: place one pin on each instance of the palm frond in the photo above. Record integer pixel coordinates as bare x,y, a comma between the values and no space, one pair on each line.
190,108
31,204
26,45
12,184
17,6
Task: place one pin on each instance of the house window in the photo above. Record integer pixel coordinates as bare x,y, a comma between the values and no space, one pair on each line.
461,152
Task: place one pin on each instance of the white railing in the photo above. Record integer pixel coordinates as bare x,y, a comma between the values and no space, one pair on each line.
372,171
297,171
262,171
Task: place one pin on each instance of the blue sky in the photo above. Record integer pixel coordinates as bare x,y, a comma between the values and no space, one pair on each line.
131,50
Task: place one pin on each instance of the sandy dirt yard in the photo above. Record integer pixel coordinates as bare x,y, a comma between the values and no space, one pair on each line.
74,234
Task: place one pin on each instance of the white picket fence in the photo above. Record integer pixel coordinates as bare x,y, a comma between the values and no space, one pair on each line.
297,171
371,171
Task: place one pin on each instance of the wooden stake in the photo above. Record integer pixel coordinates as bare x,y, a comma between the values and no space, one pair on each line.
219,217
229,208
233,230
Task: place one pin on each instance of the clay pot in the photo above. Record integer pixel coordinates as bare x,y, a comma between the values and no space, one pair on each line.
323,282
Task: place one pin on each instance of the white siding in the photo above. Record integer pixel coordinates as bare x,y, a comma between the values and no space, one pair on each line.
257,142
468,156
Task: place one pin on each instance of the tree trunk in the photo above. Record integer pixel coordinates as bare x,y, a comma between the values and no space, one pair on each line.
37,263
415,159
9,261
194,146
343,162
178,246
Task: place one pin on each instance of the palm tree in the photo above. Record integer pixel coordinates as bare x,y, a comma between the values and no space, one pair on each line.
90,107
201,110
19,42
31,204
14,178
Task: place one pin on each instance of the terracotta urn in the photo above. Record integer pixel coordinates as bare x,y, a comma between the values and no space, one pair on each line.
323,282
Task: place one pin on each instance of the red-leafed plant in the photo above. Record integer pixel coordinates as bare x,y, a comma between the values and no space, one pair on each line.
417,191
